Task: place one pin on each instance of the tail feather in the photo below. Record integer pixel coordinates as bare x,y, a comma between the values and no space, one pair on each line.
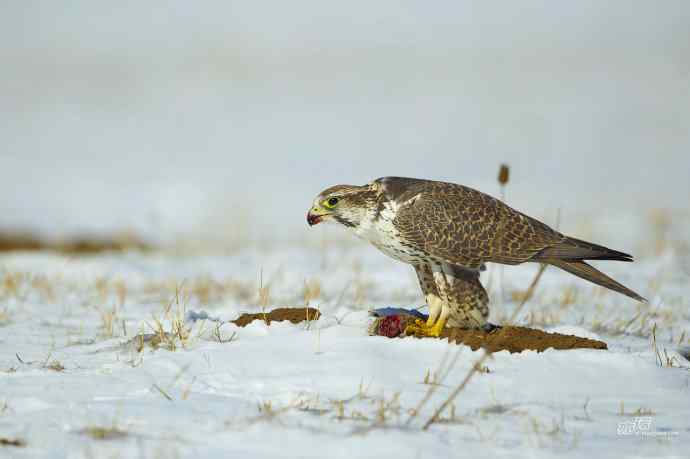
588,272
576,249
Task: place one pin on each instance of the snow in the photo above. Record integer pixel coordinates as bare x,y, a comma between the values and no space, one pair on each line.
318,389
207,131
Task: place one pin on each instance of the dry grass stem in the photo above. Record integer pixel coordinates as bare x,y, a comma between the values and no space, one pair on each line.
480,362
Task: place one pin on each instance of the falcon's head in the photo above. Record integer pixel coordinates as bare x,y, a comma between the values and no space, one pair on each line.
344,204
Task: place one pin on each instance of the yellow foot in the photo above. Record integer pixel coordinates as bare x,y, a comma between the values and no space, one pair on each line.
422,328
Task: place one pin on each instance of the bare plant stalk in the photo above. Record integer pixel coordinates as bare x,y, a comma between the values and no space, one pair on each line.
503,179
443,371
478,364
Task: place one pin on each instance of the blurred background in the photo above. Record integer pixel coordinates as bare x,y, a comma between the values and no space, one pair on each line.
218,122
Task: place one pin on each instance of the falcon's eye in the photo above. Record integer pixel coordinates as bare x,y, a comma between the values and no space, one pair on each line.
332,202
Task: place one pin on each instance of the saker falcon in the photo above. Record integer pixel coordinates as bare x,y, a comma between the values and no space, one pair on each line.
447,232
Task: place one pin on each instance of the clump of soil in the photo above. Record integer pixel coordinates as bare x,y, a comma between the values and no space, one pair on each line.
294,315
518,339
507,338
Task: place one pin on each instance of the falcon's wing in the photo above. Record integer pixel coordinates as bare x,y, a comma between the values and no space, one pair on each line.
465,227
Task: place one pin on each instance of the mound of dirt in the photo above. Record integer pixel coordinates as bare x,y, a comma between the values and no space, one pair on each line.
508,338
518,339
392,322
294,315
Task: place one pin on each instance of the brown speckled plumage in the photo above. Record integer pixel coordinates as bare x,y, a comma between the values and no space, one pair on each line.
464,227
448,231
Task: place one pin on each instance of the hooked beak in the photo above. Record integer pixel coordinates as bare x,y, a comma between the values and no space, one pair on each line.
313,219
315,216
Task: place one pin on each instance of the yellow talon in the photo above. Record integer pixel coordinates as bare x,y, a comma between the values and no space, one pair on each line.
438,327
422,328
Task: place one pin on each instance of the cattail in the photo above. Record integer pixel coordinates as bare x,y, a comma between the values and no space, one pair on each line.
503,175
503,178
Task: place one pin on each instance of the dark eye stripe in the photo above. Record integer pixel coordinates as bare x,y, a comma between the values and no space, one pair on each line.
344,221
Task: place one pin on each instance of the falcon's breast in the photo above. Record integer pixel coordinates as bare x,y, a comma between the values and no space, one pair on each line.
380,230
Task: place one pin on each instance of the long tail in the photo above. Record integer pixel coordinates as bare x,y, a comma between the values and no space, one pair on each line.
570,255
576,249
588,272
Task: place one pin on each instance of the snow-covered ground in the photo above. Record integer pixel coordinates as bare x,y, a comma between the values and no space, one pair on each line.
207,131
69,371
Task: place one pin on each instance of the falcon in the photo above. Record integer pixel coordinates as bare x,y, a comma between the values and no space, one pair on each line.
447,232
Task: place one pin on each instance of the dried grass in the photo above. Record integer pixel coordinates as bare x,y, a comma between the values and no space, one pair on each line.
4,316
82,245
104,433
480,362
15,442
